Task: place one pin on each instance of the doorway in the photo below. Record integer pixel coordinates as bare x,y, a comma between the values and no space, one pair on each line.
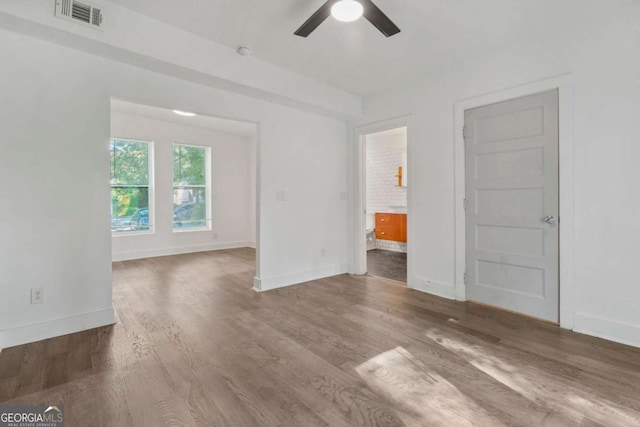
181,183
512,205
385,167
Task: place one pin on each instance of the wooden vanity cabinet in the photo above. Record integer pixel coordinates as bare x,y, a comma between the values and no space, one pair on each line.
391,226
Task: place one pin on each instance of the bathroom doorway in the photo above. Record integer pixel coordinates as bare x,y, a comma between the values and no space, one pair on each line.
385,178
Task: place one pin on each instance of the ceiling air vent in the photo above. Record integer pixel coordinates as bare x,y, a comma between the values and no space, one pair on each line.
79,12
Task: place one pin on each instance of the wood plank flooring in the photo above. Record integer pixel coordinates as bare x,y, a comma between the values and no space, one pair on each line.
387,264
195,345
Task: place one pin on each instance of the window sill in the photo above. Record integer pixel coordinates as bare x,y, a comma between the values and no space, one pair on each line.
132,233
190,230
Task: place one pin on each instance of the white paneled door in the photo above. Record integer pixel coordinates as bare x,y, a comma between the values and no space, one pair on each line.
512,205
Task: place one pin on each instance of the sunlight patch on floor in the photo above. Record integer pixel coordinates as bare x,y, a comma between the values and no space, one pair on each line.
490,365
544,389
425,397
603,412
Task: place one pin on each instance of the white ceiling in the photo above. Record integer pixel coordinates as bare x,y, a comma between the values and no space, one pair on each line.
356,57
396,133
232,127
391,139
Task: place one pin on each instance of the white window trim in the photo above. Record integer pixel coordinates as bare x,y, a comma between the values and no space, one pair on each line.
151,186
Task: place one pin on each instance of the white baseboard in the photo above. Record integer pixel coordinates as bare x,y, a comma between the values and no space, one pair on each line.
443,290
612,330
126,256
267,284
55,328
251,244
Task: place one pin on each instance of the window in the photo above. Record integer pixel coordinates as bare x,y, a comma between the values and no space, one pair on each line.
130,188
190,188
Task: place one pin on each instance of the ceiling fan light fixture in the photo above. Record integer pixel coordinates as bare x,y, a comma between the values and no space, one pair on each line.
347,10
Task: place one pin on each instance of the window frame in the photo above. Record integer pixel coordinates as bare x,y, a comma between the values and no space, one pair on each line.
207,191
150,186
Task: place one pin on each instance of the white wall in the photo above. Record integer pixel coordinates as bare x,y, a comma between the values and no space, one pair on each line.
600,46
252,191
230,189
54,117
55,136
139,40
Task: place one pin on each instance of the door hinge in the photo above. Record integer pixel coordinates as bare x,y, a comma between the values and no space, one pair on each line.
464,132
465,278
465,202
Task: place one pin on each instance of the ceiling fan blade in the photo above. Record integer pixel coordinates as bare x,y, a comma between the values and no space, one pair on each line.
315,20
379,19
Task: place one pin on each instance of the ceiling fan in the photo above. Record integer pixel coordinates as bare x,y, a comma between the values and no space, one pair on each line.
348,11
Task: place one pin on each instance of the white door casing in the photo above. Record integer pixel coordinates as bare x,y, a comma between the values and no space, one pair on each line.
511,152
358,241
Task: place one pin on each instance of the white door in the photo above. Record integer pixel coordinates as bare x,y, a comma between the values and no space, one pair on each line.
512,205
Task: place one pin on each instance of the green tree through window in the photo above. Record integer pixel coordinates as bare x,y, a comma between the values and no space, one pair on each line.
189,187
129,186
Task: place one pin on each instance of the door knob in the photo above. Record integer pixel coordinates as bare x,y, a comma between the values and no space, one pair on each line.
550,220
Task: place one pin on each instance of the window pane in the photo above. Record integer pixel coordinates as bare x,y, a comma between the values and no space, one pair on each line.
129,209
129,163
189,207
189,187
129,186
189,166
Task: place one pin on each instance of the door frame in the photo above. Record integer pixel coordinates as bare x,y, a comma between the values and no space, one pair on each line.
565,86
360,218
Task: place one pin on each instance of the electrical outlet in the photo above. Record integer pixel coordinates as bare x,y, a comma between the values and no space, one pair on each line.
215,236
343,195
37,296
281,196
323,252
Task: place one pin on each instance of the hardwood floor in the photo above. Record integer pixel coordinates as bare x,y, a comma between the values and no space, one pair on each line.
195,345
387,264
